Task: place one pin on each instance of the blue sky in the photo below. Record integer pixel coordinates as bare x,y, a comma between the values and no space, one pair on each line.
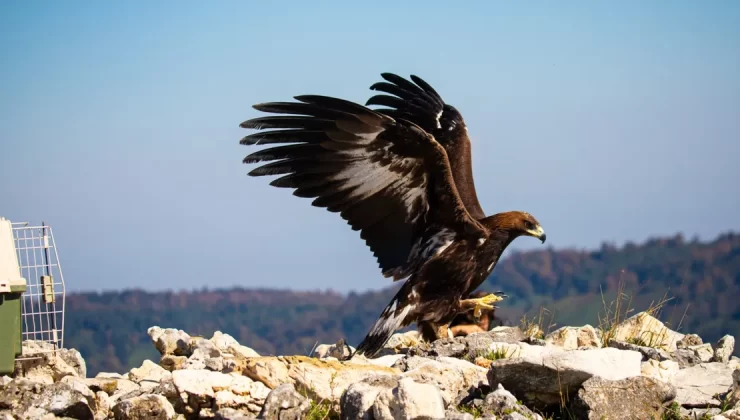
609,121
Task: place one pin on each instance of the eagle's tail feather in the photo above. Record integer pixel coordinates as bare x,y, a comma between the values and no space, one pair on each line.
391,319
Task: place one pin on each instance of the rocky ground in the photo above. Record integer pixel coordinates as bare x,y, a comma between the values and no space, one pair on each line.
637,370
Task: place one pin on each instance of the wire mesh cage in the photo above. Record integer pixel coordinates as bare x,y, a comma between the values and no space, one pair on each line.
42,307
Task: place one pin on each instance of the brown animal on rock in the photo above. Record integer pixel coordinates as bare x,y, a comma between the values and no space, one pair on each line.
466,323
402,178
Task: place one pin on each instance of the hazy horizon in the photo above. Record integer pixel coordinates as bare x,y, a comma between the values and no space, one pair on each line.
345,292
120,126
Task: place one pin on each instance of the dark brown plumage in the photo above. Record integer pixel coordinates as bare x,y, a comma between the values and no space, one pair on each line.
390,175
422,105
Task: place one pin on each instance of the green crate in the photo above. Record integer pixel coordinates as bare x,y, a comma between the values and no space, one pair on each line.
12,287
10,328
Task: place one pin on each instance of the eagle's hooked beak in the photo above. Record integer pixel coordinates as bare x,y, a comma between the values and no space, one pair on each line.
538,233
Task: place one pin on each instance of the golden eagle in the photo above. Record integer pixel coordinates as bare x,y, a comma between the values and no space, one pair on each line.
402,177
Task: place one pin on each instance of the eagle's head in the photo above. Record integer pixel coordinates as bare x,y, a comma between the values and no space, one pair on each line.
520,223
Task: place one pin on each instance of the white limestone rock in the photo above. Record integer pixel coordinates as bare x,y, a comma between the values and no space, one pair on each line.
409,400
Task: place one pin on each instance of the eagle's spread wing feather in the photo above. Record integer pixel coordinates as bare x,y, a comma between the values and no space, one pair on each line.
422,107
419,103
380,174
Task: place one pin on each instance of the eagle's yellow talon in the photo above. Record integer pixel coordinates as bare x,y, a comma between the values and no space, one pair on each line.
485,302
490,299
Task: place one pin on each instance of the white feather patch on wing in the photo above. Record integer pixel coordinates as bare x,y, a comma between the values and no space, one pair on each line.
434,245
379,169
389,321
414,295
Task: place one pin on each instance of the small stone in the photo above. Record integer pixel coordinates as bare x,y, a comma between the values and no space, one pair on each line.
154,407
171,362
358,400
148,375
271,371
689,340
206,355
647,329
703,352
285,403
223,341
104,405
686,358
74,359
588,337
409,400
448,347
206,347
501,402
723,351
215,364
571,338
635,398
170,341
339,351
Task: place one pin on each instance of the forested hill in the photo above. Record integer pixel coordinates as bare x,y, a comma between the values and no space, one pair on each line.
576,287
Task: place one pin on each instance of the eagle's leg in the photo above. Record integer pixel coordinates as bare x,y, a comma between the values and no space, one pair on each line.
427,331
485,302
433,331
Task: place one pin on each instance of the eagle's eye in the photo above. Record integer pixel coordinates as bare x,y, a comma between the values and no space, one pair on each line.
528,225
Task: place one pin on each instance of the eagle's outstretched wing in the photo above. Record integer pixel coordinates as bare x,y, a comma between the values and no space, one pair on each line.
386,177
419,103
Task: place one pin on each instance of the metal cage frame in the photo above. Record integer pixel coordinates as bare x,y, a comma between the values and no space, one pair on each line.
43,304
